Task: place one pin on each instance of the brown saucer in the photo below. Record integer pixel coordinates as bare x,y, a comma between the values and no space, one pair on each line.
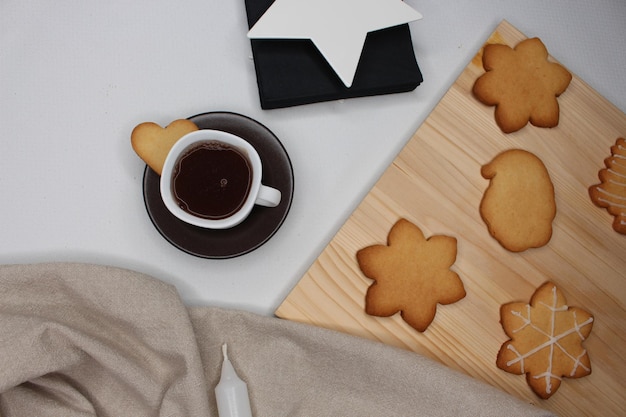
260,225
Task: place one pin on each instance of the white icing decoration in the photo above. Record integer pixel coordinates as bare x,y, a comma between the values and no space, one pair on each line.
615,173
612,198
618,183
604,200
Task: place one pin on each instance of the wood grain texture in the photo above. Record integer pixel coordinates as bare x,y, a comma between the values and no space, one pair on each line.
435,182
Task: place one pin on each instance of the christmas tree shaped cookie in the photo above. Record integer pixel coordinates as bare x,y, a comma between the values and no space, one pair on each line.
611,192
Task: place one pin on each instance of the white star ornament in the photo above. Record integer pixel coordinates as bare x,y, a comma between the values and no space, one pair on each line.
337,28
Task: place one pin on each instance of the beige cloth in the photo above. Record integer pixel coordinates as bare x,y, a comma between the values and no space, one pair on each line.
88,340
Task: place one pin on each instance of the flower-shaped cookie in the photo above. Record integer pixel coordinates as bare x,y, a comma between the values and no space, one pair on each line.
411,275
546,340
522,84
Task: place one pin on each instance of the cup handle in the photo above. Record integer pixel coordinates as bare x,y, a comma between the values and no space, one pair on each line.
268,196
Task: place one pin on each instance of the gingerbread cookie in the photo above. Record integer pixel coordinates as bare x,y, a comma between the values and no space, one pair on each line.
518,206
522,84
152,142
545,340
411,275
611,192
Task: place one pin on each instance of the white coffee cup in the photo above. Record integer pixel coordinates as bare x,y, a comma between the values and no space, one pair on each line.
257,193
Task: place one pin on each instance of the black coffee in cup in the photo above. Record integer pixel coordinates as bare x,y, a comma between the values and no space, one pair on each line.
212,180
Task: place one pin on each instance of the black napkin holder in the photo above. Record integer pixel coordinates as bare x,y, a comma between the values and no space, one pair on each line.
292,72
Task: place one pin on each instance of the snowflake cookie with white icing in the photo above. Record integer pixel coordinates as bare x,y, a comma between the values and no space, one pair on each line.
546,340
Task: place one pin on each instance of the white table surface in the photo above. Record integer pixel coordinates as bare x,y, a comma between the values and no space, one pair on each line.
77,76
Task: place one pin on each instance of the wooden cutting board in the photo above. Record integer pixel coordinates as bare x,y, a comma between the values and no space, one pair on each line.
435,182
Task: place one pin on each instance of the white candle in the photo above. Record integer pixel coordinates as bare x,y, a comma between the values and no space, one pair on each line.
231,392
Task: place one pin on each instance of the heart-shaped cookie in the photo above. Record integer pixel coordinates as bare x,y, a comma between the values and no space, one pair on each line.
152,142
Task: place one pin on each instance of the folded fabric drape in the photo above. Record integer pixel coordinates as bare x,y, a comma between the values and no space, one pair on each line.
91,340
